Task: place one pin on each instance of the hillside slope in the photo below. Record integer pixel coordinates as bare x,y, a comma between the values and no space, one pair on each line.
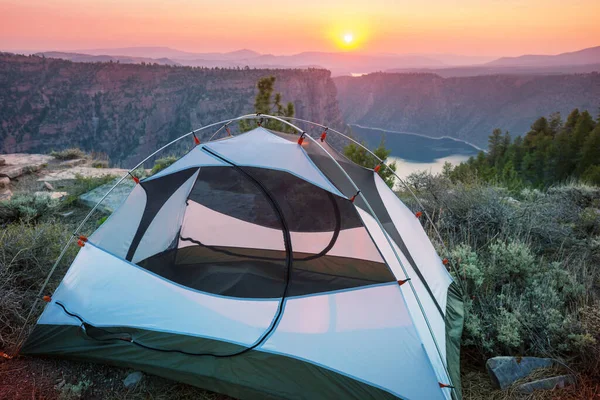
128,111
467,108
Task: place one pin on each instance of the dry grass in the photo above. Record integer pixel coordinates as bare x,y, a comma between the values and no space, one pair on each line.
477,385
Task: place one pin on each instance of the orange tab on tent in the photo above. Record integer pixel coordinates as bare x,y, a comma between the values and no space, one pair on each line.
80,243
135,179
418,214
445,385
83,238
403,281
301,139
445,261
323,136
47,299
377,168
196,140
228,131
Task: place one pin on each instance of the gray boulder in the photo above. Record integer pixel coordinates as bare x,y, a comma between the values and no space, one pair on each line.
547,384
504,371
133,379
4,182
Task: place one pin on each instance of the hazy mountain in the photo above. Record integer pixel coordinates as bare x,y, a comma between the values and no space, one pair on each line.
465,108
339,63
130,110
478,70
167,52
77,57
586,56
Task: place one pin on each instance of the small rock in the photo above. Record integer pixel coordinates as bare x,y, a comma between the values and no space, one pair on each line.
48,186
73,163
52,195
133,379
4,182
5,194
547,384
2,161
506,370
66,214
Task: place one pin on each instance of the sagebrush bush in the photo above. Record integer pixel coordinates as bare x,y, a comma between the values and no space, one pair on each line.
530,263
27,252
25,207
162,163
68,154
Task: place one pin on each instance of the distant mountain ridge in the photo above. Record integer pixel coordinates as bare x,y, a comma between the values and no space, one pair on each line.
78,57
467,108
581,57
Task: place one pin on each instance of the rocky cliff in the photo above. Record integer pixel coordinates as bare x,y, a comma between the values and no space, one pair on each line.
467,108
128,111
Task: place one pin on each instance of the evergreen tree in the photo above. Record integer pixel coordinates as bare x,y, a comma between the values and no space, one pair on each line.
550,152
362,157
590,155
263,105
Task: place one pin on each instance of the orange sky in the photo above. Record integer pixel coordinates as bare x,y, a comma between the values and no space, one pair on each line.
471,27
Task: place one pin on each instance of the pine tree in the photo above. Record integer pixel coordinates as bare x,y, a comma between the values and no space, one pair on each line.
362,157
263,105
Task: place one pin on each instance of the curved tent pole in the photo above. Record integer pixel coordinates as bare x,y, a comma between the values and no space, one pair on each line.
402,181
248,116
89,214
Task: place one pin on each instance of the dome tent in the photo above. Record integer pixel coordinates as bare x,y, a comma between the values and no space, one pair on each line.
263,266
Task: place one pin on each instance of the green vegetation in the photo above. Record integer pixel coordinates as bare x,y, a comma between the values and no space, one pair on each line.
362,157
68,154
162,163
263,104
529,262
552,151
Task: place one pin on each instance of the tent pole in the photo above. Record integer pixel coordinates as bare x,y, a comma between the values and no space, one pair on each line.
402,181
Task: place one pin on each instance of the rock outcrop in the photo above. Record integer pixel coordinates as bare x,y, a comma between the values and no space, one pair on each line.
504,371
128,110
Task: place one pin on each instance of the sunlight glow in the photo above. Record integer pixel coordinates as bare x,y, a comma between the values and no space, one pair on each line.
348,38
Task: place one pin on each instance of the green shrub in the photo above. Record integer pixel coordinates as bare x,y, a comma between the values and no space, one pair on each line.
162,163
100,164
68,154
530,262
26,208
27,252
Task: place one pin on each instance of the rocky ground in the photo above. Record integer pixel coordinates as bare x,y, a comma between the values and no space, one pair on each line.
44,175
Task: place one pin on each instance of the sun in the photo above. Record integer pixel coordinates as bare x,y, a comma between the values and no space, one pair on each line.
348,38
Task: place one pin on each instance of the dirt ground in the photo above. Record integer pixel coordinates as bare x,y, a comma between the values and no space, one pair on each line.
28,378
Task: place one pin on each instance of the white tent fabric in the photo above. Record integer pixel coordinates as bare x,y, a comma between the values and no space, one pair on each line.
344,312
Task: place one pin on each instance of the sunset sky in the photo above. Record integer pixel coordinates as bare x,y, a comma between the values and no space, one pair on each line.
472,27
